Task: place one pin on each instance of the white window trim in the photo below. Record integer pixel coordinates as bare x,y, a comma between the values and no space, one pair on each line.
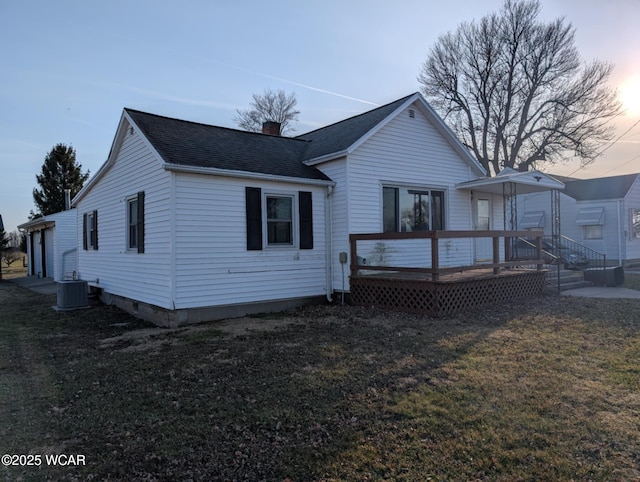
295,222
417,187
127,246
91,246
632,232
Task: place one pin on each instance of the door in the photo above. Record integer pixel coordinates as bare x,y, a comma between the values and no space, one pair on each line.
482,222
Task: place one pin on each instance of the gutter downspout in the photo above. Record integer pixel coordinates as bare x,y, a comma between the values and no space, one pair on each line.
328,213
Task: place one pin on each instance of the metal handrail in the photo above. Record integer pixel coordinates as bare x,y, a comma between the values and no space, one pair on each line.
576,256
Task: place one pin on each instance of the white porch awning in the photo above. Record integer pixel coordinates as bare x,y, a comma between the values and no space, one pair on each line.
532,219
590,217
526,182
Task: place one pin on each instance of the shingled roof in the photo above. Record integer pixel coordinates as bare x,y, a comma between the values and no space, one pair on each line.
340,136
185,143
615,187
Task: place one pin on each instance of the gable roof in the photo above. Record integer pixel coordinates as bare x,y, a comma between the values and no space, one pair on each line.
615,187
339,137
184,143
342,137
525,182
196,147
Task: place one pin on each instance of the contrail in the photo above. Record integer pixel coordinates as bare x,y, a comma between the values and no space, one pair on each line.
316,89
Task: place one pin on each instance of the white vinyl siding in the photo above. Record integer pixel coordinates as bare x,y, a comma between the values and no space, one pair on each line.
112,266
405,152
213,265
615,241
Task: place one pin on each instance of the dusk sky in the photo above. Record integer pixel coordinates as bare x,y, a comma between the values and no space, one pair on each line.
70,67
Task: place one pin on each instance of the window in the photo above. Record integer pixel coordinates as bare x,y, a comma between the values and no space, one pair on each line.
135,223
274,217
406,210
591,219
634,223
90,230
132,217
279,220
592,231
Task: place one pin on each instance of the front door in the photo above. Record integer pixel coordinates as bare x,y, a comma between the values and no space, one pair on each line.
482,222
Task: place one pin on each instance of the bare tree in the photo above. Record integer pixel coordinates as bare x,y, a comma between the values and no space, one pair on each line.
269,107
515,91
10,256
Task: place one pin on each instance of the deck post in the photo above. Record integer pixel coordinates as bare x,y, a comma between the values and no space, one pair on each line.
354,256
435,258
539,252
496,254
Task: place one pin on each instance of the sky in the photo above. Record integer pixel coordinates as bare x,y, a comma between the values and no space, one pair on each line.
69,67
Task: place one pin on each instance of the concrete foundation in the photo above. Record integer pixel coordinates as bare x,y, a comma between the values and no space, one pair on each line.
188,316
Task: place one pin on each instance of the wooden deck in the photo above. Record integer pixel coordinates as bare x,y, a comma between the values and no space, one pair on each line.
450,294
440,291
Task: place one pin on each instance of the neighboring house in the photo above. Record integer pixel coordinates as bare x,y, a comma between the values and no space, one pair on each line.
188,222
603,214
52,245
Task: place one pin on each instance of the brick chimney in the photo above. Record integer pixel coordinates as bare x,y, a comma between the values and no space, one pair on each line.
271,128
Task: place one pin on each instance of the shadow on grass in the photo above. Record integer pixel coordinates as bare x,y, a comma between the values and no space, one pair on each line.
343,393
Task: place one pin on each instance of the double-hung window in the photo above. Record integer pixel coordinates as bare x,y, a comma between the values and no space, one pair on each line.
90,230
412,209
279,220
135,223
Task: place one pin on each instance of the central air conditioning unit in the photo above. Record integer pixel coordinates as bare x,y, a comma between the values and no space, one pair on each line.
72,295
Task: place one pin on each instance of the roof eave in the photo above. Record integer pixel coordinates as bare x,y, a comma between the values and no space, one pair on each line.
326,158
212,171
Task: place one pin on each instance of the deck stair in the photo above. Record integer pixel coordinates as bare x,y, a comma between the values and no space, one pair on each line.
569,279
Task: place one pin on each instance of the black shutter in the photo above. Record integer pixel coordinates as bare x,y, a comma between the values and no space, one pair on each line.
94,241
84,232
254,218
305,209
140,227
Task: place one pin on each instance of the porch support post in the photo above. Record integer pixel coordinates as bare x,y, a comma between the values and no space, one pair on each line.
555,227
496,254
354,256
435,258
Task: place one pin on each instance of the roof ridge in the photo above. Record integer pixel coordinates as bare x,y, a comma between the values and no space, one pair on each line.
203,124
399,101
618,176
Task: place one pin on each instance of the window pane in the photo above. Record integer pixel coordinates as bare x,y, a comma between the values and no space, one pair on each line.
133,236
593,232
279,208
483,215
414,210
437,210
133,224
389,209
133,212
279,220
635,223
279,232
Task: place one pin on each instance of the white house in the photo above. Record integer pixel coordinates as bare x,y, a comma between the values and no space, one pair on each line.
52,245
602,214
188,222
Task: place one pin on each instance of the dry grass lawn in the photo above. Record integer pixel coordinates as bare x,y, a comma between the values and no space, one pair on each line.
541,389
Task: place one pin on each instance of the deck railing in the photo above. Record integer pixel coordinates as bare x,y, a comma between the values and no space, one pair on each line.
497,261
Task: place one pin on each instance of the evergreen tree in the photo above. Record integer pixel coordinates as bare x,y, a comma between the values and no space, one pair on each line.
60,171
